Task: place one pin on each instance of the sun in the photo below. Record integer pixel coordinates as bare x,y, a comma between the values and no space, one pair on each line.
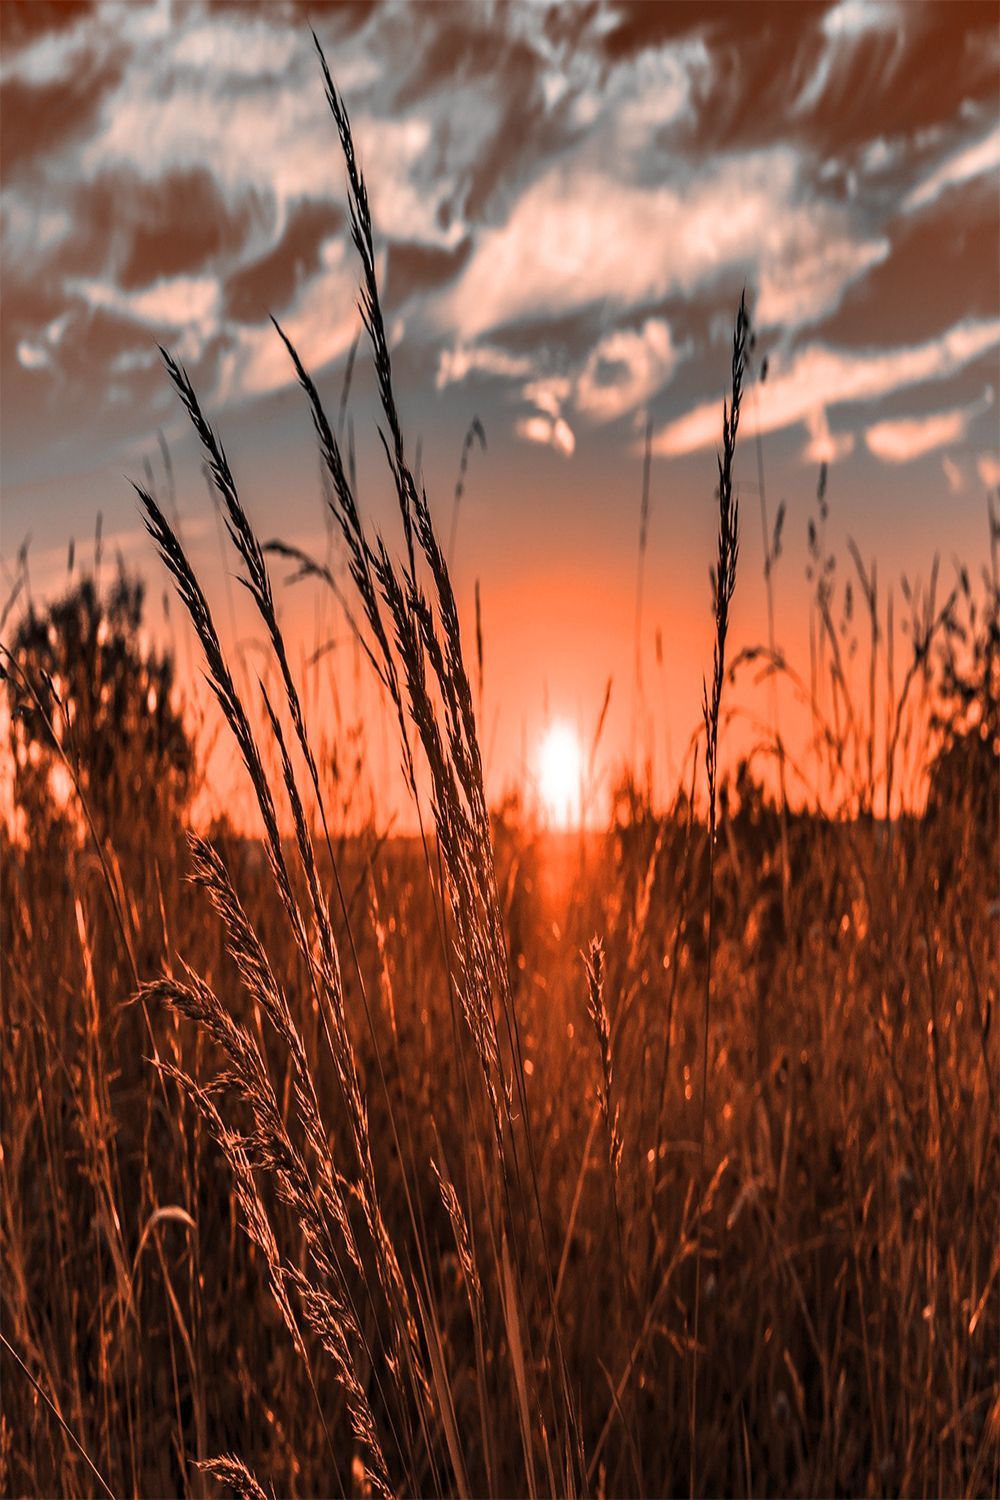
560,775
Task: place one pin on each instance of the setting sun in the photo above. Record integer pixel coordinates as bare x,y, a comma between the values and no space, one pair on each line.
560,770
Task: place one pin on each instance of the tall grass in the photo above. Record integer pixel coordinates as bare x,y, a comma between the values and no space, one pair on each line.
723,588
328,1168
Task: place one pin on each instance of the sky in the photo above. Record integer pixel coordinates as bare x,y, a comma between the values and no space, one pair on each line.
568,201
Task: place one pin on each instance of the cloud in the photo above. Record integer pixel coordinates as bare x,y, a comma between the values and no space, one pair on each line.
38,355
844,28
655,89
962,166
321,323
812,275
576,238
623,369
40,118
564,197
252,48
171,302
988,469
825,447
456,365
31,228
266,283
902,440
953,474
851,19
269,126
626,368
549,394
33,356
553,431
820,377
22,25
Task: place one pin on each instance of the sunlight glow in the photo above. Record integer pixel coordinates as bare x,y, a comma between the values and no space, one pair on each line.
560,774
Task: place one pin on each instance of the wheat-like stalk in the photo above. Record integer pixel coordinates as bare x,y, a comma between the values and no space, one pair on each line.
724,583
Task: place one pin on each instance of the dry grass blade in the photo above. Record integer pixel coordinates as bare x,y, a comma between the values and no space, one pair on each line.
78,1446
598,1012
475,433
724,583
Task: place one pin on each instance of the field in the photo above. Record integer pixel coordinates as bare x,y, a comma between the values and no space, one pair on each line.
496,1160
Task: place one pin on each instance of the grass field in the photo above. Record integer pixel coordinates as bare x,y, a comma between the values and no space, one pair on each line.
496,1160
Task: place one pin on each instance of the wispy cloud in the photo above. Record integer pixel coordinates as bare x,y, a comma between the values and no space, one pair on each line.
901,440
911,437
977,160
564,200
552,431
321,323
458,364
988,469
817,378
626,368
953,475
580,237
844,27
171,302
824,446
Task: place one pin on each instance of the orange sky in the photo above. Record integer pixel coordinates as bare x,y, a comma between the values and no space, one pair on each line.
568,202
